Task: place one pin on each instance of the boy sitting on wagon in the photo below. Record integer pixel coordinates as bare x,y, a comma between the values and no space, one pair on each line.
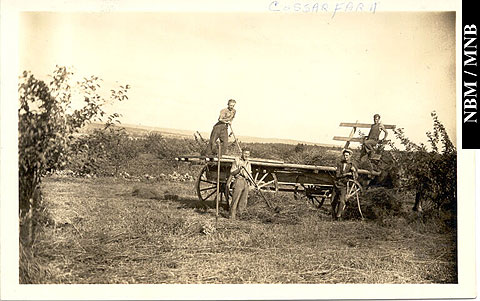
373,138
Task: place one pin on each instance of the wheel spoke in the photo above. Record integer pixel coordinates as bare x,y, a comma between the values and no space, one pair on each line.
264,176
209,182
349,190
206,198
263,184
208,188
353,191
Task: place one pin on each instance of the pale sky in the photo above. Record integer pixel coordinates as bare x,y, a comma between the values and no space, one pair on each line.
294,76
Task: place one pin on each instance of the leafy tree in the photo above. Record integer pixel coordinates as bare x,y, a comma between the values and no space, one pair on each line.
46,126
103,152
155,144
431,172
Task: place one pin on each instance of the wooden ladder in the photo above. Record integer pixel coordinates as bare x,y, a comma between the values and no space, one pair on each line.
354,127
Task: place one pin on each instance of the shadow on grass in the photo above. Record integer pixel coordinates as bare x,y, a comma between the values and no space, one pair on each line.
283,208
185,202
194,203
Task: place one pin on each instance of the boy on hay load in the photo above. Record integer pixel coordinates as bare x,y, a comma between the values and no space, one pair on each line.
373,138
346,169
220,129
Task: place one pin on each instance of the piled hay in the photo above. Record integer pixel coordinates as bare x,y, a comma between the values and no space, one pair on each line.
170,196
150,193
431,221
381,203
378,204
146,193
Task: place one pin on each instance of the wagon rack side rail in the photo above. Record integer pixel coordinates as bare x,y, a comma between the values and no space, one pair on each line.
272,164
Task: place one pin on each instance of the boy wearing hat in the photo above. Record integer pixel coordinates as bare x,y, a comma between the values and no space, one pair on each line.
220,129
346,169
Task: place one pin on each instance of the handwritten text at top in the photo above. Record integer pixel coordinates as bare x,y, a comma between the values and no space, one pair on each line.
323,7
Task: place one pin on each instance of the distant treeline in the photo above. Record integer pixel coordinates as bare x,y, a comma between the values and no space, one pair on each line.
111,151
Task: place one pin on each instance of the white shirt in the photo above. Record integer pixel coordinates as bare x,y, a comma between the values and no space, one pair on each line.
238,163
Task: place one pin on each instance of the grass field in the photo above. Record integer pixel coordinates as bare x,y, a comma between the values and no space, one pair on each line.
109,230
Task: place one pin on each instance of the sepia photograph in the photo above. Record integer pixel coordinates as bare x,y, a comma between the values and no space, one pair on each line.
299,150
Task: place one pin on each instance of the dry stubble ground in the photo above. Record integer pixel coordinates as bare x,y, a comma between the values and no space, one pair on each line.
115,231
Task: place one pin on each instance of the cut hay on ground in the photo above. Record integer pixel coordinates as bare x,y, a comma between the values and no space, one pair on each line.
111,231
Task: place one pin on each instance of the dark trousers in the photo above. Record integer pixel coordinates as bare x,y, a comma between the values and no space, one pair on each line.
339,201
370,144
219,131
239,197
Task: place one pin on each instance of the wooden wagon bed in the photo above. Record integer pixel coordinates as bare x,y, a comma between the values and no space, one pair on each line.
313,181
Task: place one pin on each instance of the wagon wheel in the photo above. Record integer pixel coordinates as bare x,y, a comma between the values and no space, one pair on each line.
299,192
353,193
266,182
206,189
317,202
424,201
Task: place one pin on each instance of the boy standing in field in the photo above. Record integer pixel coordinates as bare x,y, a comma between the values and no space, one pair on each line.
220,129
241,169
346,169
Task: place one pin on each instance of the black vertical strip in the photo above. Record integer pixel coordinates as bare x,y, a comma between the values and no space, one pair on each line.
470,112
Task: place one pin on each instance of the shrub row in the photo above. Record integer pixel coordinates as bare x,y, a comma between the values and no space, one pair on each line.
112,151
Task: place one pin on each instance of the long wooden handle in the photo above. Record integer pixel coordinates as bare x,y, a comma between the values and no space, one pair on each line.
217,199
236,141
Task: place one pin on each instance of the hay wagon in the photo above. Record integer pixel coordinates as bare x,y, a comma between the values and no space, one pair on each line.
314,182
311,181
